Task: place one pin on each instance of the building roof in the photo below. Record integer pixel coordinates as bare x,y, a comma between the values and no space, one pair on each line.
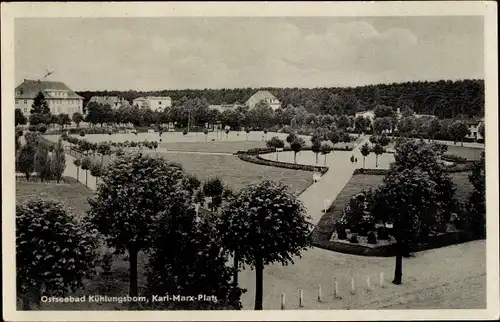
262,95
152,97
30,88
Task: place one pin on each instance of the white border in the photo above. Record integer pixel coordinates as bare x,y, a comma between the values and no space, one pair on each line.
136,9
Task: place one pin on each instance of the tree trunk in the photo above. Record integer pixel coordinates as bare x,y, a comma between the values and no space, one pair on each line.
132,254
376,161
325,159
86,177
316,158
398,272
102,158
235,266
295,157
96,182
259,281
462,142
364,161
78,174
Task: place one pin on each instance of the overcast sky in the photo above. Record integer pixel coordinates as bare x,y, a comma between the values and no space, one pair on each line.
176,53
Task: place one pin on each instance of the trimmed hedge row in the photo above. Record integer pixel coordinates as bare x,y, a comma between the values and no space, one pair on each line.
442,240
377,172
456,158
259,160
257,151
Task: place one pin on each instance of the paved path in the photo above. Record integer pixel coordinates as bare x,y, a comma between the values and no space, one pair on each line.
320,195
71,171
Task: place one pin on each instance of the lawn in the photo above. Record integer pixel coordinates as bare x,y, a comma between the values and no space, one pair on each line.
360,182
213,146
465,152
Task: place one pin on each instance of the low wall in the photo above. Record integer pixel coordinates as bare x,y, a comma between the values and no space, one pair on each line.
442,240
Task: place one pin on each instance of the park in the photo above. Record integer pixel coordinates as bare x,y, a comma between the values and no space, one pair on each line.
320,278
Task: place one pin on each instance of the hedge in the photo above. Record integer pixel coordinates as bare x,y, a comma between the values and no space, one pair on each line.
257,151
377,172
259,160
442,240
455,158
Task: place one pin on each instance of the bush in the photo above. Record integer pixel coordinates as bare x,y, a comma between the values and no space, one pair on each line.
341,234
293,166
371,238
378,172
82,133
354,239
42,128
107,262
32,128
453,158
185,132
382,233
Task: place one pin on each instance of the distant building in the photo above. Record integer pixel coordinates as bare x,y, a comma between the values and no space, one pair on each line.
474,125
155,103
223,107
113,101
59,97
263,96
366,114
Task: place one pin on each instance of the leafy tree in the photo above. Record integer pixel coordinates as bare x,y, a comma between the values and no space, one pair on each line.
459,130
186,258
343,122
477,199
35,118
39,105
327,120
383,140
334,136
247,130
407,125
275,142
77,118
365,151
42,128
135,189
54,252
316,146
63,119
86,164
325,149
25,160
378,150
19,117
96,170
296,146
382,124
58,161
263,224
206,134
104,149
361,123
214,188
409,201
227,134
77,163
434,128
291,137
42,162
382,111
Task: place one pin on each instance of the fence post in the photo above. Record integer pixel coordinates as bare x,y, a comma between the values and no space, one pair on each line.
353,289
301,298
282,301
319,293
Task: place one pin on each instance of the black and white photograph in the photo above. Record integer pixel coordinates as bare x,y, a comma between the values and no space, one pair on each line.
188,161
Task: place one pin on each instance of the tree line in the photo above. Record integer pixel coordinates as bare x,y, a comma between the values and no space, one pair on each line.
445,99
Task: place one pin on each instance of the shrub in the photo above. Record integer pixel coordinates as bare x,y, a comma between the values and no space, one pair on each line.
42,128
341,234
371,238
32,128
453,158
82,133
185,132
354,239
382,233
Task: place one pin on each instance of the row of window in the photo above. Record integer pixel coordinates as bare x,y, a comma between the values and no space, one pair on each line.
55,102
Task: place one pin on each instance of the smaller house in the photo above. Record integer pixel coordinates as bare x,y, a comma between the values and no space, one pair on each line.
474,125
263,96
366,114
222,107
155,103
114,101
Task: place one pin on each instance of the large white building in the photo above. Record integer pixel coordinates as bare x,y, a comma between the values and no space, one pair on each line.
263,96
155,103
59,97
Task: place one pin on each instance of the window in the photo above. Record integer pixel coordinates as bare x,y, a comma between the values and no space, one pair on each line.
25,110
25,101
17,101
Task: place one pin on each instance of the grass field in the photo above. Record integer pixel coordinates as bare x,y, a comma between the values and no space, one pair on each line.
362,181
469,153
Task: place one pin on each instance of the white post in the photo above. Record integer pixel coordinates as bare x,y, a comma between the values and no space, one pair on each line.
368,283
301,298
282,301
336,291
382,279
353,290
319,293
